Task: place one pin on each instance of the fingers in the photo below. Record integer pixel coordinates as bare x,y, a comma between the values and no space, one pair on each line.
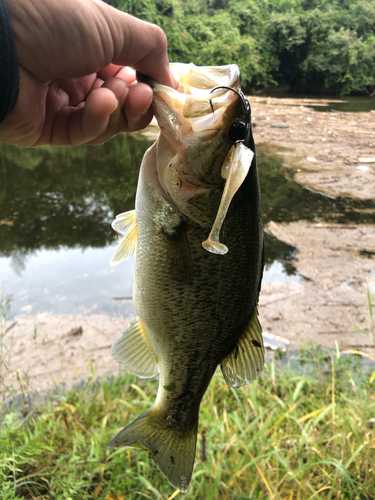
114,107
56,40
83,122
99,106
76,101
125,73
132,115
137,107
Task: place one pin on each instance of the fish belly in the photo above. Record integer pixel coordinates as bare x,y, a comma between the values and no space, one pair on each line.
194,304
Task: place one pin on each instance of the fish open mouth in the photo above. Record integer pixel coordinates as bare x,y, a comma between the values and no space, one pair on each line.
201,90
203,138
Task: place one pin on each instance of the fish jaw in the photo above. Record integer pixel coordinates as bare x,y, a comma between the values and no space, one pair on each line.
205,77
193,142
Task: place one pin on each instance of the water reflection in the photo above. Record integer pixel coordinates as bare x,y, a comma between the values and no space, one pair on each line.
283,200
56,205
53,197
69,280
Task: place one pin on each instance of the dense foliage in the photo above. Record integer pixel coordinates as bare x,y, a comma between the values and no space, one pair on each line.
310,45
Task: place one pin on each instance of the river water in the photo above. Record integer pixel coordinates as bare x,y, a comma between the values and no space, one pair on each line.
56,206
345,104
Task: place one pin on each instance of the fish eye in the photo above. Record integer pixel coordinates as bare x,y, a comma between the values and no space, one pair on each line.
236,131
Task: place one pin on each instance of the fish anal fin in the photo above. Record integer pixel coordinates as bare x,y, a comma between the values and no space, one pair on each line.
172,451
132,350
125,224
245,362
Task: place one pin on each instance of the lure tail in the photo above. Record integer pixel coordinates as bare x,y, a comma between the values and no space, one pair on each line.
172,451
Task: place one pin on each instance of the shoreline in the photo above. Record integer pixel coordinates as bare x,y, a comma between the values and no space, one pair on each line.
321,151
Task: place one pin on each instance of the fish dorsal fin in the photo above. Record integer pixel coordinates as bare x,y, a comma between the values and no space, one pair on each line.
235,168
245,362
126,224
132,350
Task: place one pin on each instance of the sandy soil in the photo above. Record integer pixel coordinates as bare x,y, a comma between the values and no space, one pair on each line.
324,149
323,152
331,301
48,350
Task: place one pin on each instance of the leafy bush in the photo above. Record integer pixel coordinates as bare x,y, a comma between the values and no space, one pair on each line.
308,44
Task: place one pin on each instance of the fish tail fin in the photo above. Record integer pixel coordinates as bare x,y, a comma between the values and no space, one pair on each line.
172,451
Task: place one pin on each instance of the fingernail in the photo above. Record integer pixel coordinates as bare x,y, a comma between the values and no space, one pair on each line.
175,79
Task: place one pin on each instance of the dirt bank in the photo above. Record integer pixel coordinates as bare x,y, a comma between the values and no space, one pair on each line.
330,301
49,350
322,151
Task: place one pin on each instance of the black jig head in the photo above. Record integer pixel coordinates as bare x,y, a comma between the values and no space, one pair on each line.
247,112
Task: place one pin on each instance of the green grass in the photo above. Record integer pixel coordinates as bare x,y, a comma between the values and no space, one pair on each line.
293,434
371,331
304,430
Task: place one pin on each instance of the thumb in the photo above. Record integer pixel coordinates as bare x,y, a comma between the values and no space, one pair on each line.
139,44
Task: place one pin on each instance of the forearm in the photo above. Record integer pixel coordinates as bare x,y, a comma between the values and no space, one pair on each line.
8,65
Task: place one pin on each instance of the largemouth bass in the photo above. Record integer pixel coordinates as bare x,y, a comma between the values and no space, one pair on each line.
197,238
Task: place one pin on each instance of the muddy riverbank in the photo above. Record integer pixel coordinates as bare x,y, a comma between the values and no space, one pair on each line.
322,151
328,153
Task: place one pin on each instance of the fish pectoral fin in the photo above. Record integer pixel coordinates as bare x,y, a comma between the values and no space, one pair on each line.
245,362
126,224
172,451
132,350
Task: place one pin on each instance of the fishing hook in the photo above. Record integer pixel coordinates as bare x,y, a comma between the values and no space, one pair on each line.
245,105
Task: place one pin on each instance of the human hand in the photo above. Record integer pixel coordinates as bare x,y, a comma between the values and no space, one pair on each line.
75,83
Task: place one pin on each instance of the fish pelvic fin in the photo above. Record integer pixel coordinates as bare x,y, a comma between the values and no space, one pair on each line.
125,224
172,451
133,351
245,362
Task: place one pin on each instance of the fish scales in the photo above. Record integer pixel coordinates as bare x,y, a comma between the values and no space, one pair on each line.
196,309
187,318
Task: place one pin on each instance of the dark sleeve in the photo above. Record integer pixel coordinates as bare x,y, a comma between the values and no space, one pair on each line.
8,65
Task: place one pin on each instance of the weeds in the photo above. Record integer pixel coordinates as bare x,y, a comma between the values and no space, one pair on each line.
290,435
304,430
5,348
371,332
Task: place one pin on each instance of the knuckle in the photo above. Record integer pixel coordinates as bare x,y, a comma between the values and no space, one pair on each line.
161,38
